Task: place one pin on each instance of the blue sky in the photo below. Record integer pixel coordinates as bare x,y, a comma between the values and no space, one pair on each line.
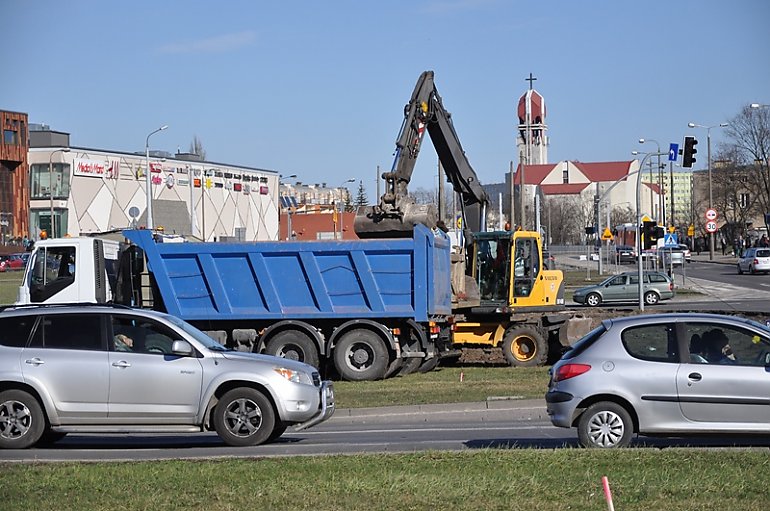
317,88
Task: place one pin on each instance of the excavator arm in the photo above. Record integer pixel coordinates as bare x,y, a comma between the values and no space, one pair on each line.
396,213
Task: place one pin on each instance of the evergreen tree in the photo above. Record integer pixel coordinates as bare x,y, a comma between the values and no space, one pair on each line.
361,198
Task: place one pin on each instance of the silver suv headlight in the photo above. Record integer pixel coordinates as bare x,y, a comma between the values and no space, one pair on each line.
294,376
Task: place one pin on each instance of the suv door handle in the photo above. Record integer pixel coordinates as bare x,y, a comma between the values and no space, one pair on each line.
695,376
34,361
121,363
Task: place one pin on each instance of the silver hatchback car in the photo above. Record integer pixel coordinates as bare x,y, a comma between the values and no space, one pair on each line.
103,369
625,288
664,375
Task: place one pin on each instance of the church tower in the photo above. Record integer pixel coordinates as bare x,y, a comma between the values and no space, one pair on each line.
532,128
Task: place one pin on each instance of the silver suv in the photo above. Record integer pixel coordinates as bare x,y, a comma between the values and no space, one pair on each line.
104,369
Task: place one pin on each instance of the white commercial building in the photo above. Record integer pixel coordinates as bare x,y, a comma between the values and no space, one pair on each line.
78,190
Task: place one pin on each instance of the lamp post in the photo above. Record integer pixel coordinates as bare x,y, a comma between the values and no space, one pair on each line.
661,207
148,177
288,207
708,162
640,273
50,185
342,206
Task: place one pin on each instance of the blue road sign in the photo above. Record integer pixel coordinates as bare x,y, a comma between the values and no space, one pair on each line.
670,240
673,152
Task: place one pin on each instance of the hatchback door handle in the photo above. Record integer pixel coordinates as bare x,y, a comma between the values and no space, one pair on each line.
695,376
34,361
121,363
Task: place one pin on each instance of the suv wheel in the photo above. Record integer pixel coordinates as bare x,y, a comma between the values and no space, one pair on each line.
21,420
651,298
605,425
593,299
244,416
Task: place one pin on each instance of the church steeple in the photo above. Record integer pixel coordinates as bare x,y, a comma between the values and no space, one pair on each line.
531,113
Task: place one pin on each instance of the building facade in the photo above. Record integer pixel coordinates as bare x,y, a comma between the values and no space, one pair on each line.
14,193
79,190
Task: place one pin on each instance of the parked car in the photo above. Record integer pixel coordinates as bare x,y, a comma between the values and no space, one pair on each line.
686,251
625,288
670,256
754,259
13,262
98,368
625,254
666,375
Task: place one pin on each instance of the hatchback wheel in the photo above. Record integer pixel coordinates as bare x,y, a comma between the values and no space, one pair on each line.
651,298
593,299
605,425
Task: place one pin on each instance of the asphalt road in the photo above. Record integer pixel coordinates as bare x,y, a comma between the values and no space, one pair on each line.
490,425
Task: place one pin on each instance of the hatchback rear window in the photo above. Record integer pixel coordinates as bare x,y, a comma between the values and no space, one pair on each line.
763,253
584,342
655,342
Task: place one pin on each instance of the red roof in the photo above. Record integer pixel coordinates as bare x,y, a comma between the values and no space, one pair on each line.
533,174
604,171
564,189
538,108
653,186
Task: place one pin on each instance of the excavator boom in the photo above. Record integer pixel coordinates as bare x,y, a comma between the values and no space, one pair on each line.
396,213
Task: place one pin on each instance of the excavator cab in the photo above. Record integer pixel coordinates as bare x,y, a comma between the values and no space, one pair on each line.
508,269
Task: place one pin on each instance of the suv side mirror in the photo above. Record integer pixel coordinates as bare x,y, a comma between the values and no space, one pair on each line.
182,348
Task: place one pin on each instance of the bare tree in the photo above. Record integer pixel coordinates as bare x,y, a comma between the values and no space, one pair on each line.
622,215
196,147
567,218
748,145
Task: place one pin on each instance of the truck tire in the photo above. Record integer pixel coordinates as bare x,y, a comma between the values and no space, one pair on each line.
429,365
244,416
294,345
22,421
524,347
361,355
411,364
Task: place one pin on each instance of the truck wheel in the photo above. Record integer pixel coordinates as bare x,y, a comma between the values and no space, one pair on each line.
244,416
293,345
21,420
411,364
361,355
524,347
605,425
429,365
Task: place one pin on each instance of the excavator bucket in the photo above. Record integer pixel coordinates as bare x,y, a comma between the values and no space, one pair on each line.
373,222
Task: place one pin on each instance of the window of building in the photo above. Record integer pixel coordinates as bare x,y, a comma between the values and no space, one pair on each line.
42,181
10,137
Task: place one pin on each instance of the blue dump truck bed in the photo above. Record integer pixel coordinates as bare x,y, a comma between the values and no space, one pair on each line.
384,278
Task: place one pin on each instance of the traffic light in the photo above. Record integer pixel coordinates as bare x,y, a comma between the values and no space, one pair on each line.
689,151
648,233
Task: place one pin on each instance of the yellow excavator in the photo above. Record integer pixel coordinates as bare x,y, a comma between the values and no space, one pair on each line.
503,296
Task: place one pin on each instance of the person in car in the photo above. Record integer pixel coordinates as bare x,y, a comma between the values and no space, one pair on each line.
718,350
123,343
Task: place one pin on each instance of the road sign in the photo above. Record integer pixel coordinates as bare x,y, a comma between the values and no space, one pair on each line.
669,240
711,226
606,235
691,230
673,152
711,214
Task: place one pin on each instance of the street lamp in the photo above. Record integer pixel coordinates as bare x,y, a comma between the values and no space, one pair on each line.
708,158
288,207
661,206
50,185
639,247
148,177
340,187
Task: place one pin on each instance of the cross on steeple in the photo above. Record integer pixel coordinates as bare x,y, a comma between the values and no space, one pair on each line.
530,80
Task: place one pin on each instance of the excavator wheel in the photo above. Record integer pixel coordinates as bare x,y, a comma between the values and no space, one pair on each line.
524,346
